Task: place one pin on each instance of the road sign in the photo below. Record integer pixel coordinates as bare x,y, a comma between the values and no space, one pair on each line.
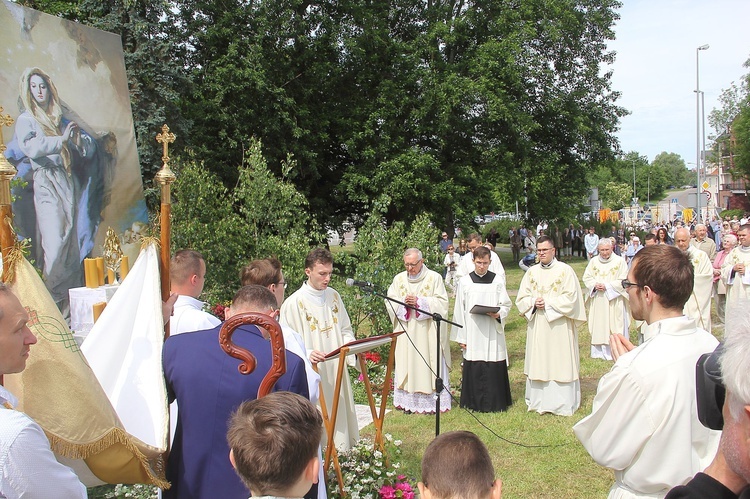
674,200
708,195
705,184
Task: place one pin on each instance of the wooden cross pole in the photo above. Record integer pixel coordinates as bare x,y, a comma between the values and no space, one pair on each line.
165,177
7,172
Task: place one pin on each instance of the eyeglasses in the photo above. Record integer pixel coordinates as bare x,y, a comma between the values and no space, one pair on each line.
410,265
282,283
626,284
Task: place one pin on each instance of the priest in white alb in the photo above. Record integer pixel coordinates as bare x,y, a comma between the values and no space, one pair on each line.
698,307
550,298
735,272
416,350
608,303
317,312
485,386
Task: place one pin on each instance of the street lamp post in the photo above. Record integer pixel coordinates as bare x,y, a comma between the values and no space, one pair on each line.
698,128
634,198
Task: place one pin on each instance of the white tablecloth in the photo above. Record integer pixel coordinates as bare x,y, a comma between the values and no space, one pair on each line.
82,307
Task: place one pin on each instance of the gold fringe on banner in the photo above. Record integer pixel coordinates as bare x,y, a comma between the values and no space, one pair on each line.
109,443
60,392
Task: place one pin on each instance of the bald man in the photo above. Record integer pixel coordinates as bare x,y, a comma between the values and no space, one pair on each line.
704,243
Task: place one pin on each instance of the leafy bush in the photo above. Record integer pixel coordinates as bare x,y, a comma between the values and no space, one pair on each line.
262,216
377,258
732,213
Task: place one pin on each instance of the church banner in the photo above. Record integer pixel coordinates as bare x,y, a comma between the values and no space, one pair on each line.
72,142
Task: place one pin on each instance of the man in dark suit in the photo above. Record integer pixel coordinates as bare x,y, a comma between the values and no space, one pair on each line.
209,388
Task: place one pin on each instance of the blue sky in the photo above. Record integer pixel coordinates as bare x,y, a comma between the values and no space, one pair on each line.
655,68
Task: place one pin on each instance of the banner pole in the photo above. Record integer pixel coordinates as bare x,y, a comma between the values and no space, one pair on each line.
165,177
7,172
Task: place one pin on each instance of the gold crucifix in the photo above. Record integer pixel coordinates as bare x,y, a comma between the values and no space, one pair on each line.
165,175
165,138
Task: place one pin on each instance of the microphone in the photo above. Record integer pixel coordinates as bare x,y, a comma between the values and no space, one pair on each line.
359,284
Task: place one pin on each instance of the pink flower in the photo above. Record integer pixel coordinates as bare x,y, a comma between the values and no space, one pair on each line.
387,492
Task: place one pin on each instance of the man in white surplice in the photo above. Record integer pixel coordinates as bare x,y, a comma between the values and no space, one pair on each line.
466,265
551,300
187,275
416,350
644,422
735,272
608,309
318,314
698,306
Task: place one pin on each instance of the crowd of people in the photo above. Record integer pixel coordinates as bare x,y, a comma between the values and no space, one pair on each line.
644,408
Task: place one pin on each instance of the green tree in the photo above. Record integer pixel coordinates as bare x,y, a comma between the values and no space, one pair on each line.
616,195
262,216
445,106
673,167
440,105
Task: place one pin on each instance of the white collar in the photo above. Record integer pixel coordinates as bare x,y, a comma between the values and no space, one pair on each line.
189,301
6,396
548,265
423,271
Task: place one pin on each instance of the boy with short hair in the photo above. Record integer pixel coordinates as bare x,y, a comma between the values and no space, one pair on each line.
274,445
457,465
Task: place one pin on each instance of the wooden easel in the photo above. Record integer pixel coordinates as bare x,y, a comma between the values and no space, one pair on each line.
329,419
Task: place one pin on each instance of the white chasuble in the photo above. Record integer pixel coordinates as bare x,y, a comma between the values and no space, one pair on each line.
552,360
608,309
320,318
416,354
698,306
738,285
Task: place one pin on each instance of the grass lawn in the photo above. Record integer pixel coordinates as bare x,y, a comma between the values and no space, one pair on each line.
534,455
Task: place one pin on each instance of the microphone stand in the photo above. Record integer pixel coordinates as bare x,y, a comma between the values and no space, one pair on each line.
439,385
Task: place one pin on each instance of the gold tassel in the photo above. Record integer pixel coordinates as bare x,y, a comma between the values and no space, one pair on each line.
15,254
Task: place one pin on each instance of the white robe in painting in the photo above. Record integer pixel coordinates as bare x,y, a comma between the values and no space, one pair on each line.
738,286
698,306
608,309
321,319
552,363
416,350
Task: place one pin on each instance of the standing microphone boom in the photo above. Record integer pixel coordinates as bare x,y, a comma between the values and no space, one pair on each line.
359,284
